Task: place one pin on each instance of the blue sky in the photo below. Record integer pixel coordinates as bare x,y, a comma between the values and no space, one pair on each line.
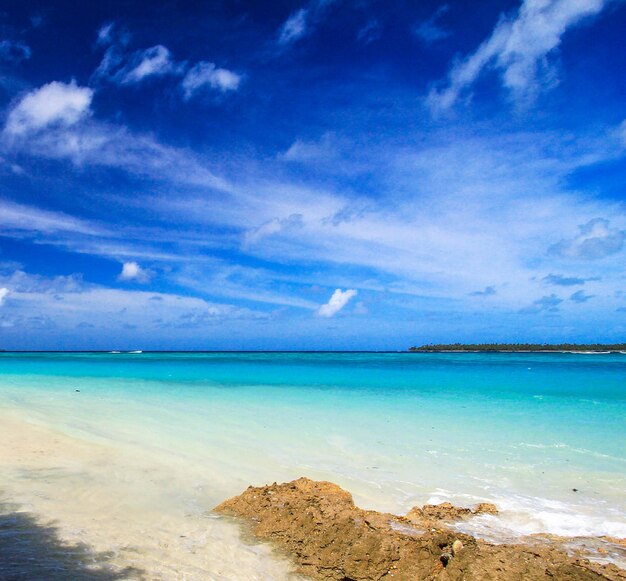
311,175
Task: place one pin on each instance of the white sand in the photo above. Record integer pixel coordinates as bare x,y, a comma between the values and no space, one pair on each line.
119,500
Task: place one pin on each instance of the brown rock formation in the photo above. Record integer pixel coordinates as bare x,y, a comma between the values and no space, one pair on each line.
331,539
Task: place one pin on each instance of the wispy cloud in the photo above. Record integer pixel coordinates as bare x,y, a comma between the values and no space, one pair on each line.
120,66
294,28
274,226
20,217
14,51
430,31
369,33
519,48
337,301
311,151
302,22
152,62
3,294
208,75
106,34
60,304
54,122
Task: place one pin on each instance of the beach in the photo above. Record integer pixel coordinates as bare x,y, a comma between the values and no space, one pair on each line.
129,453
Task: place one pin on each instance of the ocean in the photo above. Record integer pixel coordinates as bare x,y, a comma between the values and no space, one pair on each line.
136,448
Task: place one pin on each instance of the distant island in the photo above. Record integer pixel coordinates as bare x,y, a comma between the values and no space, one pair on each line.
519,347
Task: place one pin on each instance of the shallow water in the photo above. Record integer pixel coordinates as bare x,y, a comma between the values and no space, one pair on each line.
164,437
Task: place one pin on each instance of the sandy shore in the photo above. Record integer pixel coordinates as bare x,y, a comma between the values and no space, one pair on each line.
87,503
129,510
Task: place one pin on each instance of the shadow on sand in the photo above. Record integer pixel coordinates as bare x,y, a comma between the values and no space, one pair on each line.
31,551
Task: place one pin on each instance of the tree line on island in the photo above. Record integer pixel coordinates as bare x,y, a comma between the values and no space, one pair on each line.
518,347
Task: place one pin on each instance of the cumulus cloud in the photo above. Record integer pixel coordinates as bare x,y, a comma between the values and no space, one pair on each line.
56,103
519,48
205,74
429,30
294,28
3,293
14,51
595,240
131,271
548,303
580,297
338,301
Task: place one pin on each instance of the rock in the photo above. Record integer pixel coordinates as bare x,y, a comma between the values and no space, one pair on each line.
457,547
331,539
486,508
436,515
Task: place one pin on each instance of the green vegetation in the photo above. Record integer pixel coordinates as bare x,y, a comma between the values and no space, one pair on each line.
517,347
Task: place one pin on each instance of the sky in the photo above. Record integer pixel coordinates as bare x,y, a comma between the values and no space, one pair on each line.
318,174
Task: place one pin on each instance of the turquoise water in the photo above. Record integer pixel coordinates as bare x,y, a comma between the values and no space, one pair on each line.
396,429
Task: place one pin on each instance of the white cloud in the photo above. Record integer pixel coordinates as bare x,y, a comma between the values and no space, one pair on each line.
56,103
519,48
205,74
294,28
337,301
131,271
151,62
3,293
